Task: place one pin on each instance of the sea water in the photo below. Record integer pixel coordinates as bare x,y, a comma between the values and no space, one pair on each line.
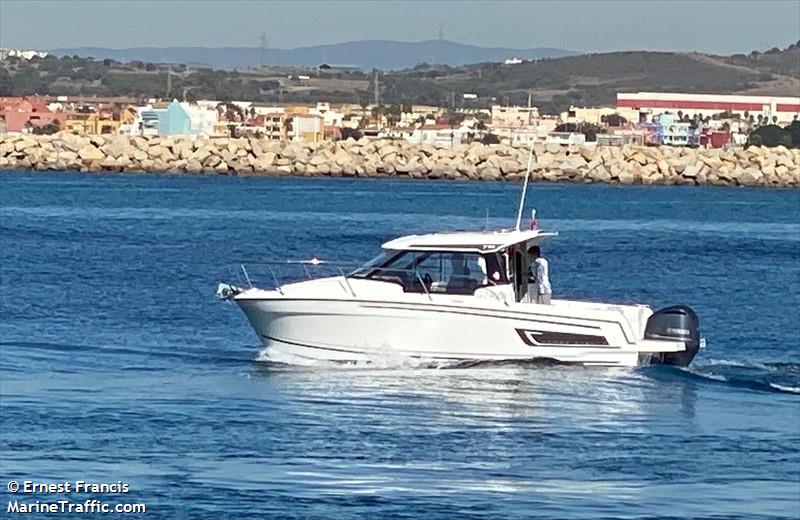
117,364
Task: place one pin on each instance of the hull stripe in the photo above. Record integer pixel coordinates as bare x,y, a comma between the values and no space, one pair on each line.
305,345
487,315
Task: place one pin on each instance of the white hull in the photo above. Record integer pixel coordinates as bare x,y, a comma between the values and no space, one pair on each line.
444,328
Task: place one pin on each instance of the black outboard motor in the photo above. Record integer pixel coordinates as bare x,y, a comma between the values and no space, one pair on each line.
675,323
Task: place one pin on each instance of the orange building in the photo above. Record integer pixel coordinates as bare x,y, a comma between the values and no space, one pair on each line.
21,113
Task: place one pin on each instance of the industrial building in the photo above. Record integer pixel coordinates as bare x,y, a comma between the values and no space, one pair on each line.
642,106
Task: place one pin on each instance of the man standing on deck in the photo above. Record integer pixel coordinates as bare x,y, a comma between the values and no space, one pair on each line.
539,290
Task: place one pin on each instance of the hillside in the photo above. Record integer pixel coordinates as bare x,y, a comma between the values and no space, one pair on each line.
366,54
594,79
553,84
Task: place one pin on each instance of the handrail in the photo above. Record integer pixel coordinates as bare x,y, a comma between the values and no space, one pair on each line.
347,282
246,277
275,278
414,272
424,287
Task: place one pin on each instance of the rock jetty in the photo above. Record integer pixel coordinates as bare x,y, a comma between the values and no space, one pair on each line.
754,166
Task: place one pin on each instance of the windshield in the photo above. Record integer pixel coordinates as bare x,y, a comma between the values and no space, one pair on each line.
369,266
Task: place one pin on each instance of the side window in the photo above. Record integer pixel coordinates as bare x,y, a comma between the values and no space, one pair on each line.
448,273
436,272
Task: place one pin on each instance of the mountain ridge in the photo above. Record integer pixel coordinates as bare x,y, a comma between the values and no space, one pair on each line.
365,54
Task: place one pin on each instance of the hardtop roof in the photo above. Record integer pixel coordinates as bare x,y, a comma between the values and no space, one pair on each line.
469,241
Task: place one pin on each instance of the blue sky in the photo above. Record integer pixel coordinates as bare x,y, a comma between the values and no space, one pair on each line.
591,26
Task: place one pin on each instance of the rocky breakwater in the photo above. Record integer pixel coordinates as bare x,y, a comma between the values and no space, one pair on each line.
754,166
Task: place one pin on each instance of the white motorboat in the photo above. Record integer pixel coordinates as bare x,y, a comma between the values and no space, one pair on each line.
452,297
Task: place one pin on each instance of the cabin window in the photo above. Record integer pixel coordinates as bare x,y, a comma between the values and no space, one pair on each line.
443,272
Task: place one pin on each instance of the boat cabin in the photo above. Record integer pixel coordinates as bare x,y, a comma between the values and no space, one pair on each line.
493,264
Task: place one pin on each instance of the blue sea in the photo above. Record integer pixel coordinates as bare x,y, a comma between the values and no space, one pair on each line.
117,364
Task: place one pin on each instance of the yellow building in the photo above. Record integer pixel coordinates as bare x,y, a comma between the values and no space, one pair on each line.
275,126
593,115
90,124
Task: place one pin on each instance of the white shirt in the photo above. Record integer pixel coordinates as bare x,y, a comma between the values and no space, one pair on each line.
541,275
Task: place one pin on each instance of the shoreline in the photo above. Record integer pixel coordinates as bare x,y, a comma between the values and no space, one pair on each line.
250,157
380,177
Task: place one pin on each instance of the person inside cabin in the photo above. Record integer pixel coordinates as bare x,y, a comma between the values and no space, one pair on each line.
539,290
459,275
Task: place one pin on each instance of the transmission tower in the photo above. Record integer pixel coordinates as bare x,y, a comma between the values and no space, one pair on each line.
440,44
377,92
262,51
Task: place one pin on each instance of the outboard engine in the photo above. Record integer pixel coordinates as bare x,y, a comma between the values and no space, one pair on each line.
679,322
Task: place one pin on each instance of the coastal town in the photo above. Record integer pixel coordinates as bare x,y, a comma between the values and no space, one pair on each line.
431,141
643,118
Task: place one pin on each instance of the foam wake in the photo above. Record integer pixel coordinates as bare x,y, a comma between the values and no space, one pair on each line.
781,377
384,358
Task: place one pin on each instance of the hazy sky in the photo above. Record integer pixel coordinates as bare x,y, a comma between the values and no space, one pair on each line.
720,26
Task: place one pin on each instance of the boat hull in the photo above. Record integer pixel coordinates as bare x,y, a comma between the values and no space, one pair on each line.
350,330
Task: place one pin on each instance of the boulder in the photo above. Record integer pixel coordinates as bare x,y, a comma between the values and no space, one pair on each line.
510,166
89,153
600,174
545,160
25,143
750,176
68,156
318,159
691,171
588,153
627,177
167,156
256,148
553,148
785,160
573,163
268,158
212,161
640,158
221,167
553,175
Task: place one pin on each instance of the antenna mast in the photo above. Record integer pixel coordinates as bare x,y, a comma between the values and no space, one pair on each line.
262,50
525,188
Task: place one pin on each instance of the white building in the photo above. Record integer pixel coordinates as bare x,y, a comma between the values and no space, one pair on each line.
513,116
330,117
21,53
644,105
203,118
565,138
268,110
442,135
446,135
307,127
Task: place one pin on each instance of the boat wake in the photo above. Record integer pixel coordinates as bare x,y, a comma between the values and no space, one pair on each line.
780,377
387,359
772,377
379,359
